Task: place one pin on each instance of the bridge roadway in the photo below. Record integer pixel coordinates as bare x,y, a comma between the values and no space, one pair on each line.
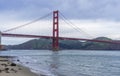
62,38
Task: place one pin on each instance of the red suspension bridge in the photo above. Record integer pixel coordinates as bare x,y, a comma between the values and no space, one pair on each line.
55,37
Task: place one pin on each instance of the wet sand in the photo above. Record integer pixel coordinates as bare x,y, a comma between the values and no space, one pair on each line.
8,68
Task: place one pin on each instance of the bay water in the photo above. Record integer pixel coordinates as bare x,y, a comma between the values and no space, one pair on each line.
68,62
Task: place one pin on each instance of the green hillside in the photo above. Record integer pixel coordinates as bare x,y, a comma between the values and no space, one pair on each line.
67,44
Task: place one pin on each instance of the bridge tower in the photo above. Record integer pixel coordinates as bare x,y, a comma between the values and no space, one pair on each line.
55,43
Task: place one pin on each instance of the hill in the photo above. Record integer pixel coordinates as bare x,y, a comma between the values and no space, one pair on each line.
67,44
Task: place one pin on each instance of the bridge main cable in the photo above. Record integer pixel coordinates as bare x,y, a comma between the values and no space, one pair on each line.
73,25
20,26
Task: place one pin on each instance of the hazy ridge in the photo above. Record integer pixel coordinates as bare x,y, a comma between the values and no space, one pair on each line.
66,44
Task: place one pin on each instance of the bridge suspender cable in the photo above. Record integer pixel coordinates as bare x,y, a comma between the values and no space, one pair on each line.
20,26
73,25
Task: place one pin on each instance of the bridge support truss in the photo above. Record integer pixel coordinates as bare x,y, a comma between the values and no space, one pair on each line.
55,43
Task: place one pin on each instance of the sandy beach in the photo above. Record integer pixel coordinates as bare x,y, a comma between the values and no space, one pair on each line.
8,68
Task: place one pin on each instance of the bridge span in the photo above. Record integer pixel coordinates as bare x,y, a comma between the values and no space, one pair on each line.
61,38
55,37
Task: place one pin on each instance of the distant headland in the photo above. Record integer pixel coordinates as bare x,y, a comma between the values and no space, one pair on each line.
39,44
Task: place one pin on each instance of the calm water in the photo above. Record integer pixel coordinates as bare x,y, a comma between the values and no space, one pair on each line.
69,62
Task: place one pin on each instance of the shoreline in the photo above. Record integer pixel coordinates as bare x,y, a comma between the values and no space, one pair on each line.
9,68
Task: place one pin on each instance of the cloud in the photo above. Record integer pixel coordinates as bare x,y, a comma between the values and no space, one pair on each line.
73,9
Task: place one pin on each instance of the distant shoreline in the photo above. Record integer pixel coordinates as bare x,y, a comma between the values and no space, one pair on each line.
68,49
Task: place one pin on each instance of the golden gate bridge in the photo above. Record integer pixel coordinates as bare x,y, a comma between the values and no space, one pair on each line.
55,34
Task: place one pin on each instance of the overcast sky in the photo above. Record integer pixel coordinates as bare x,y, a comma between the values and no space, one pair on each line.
96,17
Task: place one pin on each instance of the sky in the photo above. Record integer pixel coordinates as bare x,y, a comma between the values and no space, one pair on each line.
95,17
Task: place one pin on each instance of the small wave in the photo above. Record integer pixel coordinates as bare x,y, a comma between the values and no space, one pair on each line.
24,61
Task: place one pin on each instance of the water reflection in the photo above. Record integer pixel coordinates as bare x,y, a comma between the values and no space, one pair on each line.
54,66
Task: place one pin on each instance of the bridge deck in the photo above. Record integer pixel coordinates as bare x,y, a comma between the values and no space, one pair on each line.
62,38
